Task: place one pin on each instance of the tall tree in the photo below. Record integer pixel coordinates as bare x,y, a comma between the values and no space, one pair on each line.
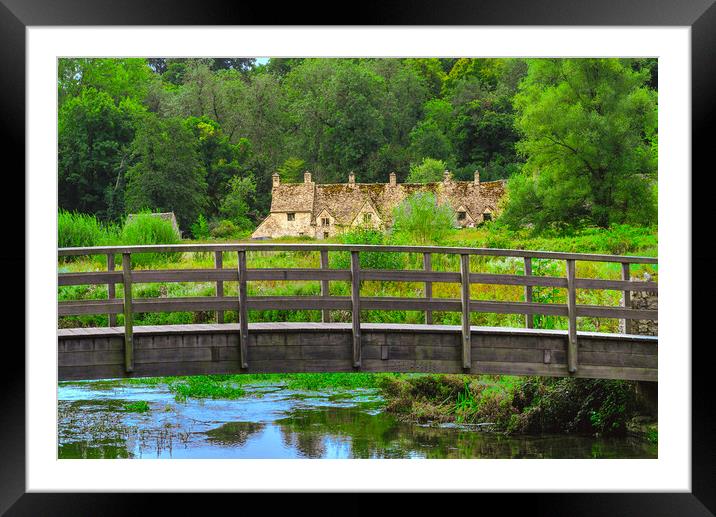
167,174
94,135
588,133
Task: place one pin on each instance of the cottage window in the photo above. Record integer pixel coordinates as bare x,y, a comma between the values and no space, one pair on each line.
291,216
325,221
461,216
487,216
367,217
325,235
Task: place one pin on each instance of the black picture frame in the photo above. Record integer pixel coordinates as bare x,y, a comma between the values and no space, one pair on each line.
699,15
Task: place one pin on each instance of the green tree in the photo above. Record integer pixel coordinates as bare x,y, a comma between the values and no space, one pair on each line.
588,133
220,158
336,115
291,171
421,220
94,135
428,171
235,205
117,77
167,174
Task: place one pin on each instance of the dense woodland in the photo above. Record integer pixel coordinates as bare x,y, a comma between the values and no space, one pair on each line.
576,138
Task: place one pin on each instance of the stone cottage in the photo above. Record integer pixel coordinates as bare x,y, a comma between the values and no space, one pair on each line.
321,211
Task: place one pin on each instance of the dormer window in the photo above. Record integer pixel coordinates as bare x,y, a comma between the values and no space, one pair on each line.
291,216
487,216
367,218
461,216
325,221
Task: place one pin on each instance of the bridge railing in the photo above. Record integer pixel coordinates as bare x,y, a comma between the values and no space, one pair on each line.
354,303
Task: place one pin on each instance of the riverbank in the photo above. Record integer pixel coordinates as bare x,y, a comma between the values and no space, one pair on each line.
521,405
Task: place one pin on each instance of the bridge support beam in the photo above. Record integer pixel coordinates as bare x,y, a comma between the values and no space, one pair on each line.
355,308
427,266
243,312
128,332
325,288
219,264
465,298
572,315
111,289
529,318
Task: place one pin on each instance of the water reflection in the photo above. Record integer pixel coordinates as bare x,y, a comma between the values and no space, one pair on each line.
279,423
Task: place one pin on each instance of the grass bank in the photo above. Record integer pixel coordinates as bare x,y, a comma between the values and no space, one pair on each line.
520,405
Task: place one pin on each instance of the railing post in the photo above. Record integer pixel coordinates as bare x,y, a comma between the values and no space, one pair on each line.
111,289
427,266
128,334
529,318
355,307
465,298
325,288
572,315
243,311
219,264
626,275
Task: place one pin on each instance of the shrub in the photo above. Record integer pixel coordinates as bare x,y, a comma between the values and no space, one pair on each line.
227,230
422,220
428,171
369,260
200,229
146,229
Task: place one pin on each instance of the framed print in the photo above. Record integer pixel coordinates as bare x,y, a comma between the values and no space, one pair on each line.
325,184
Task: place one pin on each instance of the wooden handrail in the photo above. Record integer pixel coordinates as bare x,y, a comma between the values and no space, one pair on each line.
355,275
489,252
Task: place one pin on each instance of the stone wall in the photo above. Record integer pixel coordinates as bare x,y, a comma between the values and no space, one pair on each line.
644,300
646,392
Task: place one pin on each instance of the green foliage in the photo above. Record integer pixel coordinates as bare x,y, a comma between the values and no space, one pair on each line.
576,137
120,78
205,386
221,159
235,204
168,175
227,230
428,171
372,260
94,135
200,229
514,404
292,170
144,228
588,127
76,230
419,219
576,405
140,406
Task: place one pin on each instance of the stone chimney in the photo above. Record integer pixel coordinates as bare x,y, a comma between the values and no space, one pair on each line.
393,179
307,177
446,176
477,177
276,179
352,179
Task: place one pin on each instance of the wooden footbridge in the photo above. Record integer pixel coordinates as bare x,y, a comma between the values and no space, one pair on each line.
246,347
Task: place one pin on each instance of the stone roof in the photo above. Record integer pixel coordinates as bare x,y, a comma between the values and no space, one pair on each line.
344,200
293,197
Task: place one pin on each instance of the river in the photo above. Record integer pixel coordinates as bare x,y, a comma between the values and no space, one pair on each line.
101,420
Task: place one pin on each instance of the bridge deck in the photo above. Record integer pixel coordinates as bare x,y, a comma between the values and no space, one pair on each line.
98,352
